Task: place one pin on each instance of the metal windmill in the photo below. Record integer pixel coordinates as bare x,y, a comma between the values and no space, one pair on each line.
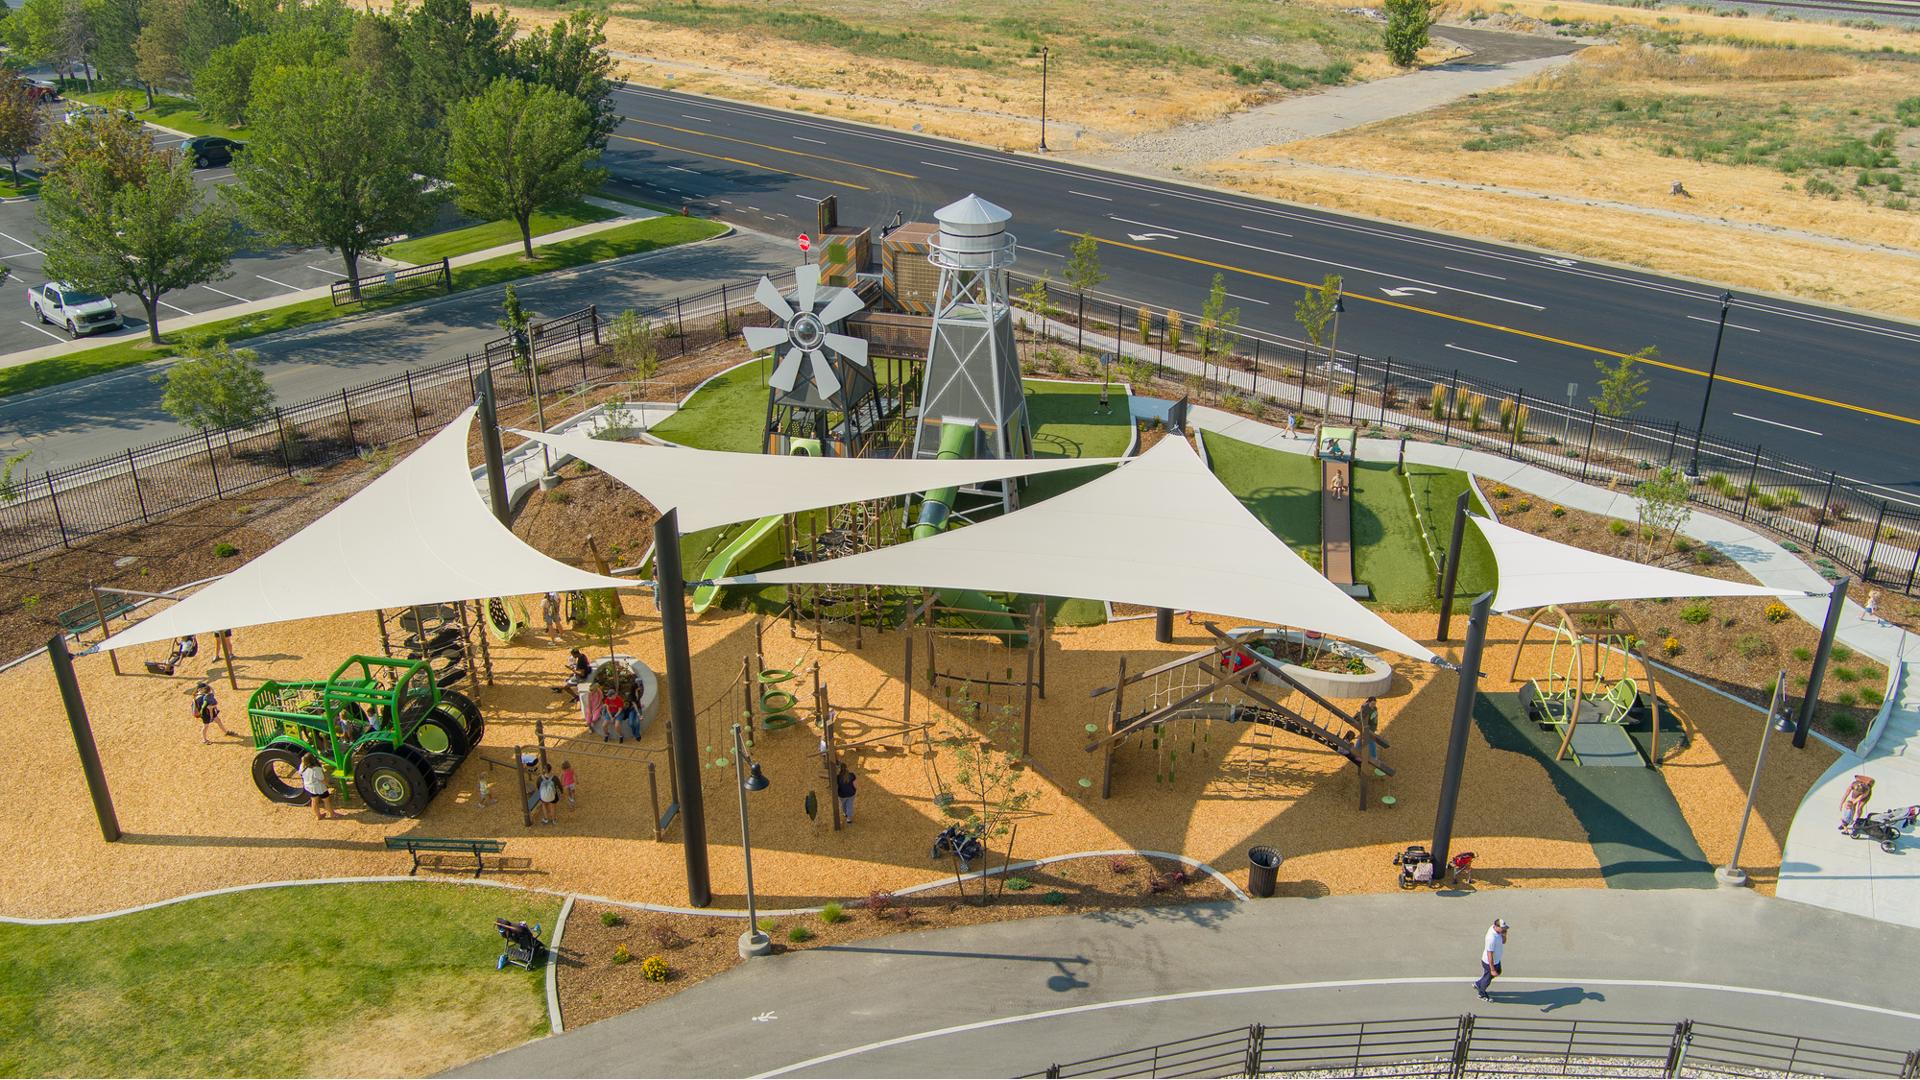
806,334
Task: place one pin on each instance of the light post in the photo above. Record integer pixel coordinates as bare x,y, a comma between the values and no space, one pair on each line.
1333,343
753,942
1713,368
1043,98
1730,875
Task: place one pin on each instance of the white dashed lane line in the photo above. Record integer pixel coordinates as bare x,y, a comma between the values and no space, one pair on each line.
1730,326
1477,352
1475,273
1084,195
1778,424
937,165
1249,299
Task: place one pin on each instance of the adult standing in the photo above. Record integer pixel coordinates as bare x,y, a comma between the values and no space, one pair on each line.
550,615
1490,956
845,787
1854,802
206,709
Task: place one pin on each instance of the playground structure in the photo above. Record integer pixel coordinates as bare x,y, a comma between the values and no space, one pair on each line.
383,727
1333,448
445,635
1198,687
1026,631
1586,697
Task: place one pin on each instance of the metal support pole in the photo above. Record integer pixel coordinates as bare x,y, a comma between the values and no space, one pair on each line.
1463,701
1826,508
83,737
753,942
1451,577
539,409
1044,59
1163,624
1731,875
1873,544
1836,601
490,449
134,472
669,593
1593,424
1713,369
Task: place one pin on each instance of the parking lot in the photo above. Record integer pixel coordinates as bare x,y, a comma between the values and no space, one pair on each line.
256,275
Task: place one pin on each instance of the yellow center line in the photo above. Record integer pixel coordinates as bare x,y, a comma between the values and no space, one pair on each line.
748,164
1682,368
770,146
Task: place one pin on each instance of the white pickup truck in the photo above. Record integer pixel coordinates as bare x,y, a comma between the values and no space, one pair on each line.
80,312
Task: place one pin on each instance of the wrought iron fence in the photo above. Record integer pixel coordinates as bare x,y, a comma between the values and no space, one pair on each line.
347,291
1470,1045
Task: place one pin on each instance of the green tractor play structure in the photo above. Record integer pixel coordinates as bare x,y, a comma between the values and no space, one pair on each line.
380,726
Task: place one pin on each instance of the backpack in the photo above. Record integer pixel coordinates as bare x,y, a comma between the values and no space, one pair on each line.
549,790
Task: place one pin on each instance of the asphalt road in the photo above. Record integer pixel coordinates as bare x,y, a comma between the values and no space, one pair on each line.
77,422
1827,387
1011,998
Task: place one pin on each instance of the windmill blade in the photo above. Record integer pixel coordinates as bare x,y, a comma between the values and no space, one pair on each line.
844,304
853,348
806,284
762,338
824,380
789,369
769,296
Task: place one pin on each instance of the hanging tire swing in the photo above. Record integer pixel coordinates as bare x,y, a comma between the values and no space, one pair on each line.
777,704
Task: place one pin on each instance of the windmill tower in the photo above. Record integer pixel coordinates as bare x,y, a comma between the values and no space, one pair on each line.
973,372
821,396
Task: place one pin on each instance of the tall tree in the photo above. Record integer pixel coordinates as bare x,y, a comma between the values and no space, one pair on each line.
41,32
373,50
223,87
77,37
19,119
518,148
1314,310
116,29
330,164
1406,31
145,230
1219,325
117,145
571,56
1083,267
1622,390
157,52
211,25
452,52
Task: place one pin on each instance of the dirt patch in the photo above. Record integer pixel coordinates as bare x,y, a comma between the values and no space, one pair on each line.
593,985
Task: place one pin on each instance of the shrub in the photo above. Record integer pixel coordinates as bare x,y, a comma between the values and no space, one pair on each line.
1053,898
1752,645
1671,646
559,496
1502,492
225,550
799,935
1618,527
1847,698
833,913
621,954
609,918
1173,331
768,926
1844,724
1695,614
1437,402
1157,884
1802,653
1019,884
1871,695
1120,866
882,904
655,969
1846,674
665,937
1705,556
1558,511
1841,652
1523,506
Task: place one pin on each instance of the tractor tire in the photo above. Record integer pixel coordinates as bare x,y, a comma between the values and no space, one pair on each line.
392,784
276,772
436,778
442,736
469,715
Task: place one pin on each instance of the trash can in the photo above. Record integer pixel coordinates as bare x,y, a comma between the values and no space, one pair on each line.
1263,872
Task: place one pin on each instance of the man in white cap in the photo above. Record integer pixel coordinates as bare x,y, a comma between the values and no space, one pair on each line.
1490,955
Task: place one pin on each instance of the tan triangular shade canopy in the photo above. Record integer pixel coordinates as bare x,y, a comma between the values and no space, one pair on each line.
419,534
1159,531
715,487
1535,572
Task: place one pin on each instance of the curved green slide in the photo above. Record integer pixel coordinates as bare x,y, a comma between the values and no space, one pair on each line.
722,562
936,507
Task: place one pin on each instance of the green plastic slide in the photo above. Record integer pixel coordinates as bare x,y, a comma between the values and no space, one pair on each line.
936,507
721,564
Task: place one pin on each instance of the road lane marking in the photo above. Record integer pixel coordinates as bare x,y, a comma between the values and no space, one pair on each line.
677,168
1776,423
242,299
42,329
1084,195
816,142
808,198
1037,251
1477,352
1269,232
1517,332
1475,273
748,164
770,146
1249,299
1730,326
937,165
23,243
282,284
702,119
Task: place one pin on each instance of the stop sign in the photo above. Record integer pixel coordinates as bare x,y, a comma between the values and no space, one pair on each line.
806,242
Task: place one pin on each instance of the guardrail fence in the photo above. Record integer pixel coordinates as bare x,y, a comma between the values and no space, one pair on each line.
1503,1046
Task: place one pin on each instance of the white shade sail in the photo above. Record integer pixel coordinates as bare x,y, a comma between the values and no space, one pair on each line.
419,534
1535,572
716,487
1159,531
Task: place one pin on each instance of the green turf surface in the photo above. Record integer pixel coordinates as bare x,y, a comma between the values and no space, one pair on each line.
1432,491
728,412
178,114
1388,553
278,982
445,245
1066,423
1633,822
1280,489
641,236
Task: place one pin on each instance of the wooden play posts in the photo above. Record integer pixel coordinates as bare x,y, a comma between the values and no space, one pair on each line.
1584,695
1333,447
1023,630
1228,668
448,635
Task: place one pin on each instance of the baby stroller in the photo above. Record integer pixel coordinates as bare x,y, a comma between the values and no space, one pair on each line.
1417,867
956,841
524,947
1884,828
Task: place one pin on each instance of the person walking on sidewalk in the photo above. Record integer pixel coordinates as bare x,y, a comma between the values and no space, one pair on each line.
1490,955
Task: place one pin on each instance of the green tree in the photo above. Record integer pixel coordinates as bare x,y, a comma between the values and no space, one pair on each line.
452,53
1037,299
373,50
991,777
518,148
1406,31
116,145
42,32
1083,267
210,26
1314,310
330,164
571,56
636,345
1622,390
148,233
1219,325
19,119
215,387
223,88
1662,508
163,34
116,28
519,327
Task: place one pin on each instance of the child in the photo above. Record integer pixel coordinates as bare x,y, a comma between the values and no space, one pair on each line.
1854,803
313,778
206,709
844,787
483,789
1873,605
548,794
568,782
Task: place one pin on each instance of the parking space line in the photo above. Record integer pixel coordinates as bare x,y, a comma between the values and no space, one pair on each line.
282,284
18,255
170,307
317,270
42,329
23,243
242,299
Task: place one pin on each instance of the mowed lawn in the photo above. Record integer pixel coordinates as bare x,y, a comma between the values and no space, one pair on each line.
444,245
1281,489
374,979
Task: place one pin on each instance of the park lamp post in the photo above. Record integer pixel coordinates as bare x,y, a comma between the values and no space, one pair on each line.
1731,876
1333,342
1713,368
1043,98
753,942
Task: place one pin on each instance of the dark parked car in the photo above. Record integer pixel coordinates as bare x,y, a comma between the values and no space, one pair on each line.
210,150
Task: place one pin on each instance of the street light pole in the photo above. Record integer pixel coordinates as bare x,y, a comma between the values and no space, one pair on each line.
1043,97
1713,368
1333,343
753,942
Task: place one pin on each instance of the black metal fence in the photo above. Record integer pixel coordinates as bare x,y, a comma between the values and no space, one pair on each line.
346,292
1496,1046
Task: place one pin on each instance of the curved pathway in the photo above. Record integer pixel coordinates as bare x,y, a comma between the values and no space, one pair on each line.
1009,998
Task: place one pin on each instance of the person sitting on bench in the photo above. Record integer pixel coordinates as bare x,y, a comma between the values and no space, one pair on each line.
579,668
183,648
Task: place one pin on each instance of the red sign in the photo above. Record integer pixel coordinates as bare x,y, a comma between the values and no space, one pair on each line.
806,242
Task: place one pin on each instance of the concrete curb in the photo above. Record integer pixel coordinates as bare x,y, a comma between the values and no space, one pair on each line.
554,1020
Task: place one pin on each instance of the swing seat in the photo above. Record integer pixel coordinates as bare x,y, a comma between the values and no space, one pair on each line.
1618,705
1550,707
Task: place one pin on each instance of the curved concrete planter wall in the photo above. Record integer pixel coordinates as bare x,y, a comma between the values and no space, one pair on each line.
1376,682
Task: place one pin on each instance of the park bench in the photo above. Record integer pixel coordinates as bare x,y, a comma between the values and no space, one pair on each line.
83,617
417,846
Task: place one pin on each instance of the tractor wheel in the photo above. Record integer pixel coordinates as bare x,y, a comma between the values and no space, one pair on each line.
469,715
392,784
435,778
441,736
276,772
